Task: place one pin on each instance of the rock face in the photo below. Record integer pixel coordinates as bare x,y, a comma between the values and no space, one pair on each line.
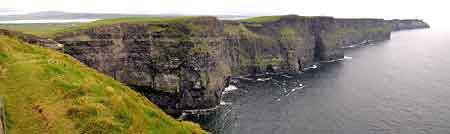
285,44
398,25
177,66
186,65
356,31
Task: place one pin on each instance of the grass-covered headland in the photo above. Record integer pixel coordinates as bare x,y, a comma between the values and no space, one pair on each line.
48,92
50,30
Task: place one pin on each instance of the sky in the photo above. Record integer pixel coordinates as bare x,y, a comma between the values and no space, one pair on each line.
433,11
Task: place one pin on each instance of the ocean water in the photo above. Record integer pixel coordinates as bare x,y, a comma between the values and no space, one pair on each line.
400,86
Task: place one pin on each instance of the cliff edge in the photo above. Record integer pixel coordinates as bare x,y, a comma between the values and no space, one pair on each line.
398,25
46,91
185,63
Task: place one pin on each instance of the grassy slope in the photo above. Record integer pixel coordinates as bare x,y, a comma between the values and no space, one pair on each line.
51,30
40,29
262,19
49,92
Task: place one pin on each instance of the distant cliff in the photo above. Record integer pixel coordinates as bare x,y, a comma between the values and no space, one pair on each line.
357,31
397,25
280,43
185,63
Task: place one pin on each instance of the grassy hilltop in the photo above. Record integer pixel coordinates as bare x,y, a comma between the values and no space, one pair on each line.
50,92
50,30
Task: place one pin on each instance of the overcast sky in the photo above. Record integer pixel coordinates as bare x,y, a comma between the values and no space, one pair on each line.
434,11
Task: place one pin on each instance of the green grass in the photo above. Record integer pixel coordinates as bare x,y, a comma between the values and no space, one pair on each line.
50,92
262,19
136,20
288,32
258,42
140,20
264,61
52,30
238,30
202,48
41,29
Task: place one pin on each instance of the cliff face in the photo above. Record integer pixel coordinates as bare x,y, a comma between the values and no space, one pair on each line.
356,31
184,65
326,39
397,25
283,44
177,66
269,46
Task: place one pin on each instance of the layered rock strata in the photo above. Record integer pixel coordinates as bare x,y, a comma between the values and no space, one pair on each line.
185,65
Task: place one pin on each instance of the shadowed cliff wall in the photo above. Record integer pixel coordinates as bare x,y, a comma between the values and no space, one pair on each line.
186,65
177,66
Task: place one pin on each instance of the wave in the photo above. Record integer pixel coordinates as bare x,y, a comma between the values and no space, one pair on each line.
300,86
264,79
362,43
225,103
341,59
315,66
230,88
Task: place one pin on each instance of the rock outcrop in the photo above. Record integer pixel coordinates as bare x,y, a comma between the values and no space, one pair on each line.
185,65
398,25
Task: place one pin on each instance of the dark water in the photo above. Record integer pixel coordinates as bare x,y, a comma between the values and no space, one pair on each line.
401,86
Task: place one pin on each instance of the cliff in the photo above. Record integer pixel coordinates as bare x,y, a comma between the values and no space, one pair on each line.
46,91
359,31
185,63
176,63
397,24
280,43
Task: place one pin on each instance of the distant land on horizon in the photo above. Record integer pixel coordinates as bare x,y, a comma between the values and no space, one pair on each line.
6,10
61,15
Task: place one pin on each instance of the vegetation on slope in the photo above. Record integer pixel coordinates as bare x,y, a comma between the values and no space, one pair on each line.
267,19
262,19
50,92
52,30
258,42
140,20
39,29
136,20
